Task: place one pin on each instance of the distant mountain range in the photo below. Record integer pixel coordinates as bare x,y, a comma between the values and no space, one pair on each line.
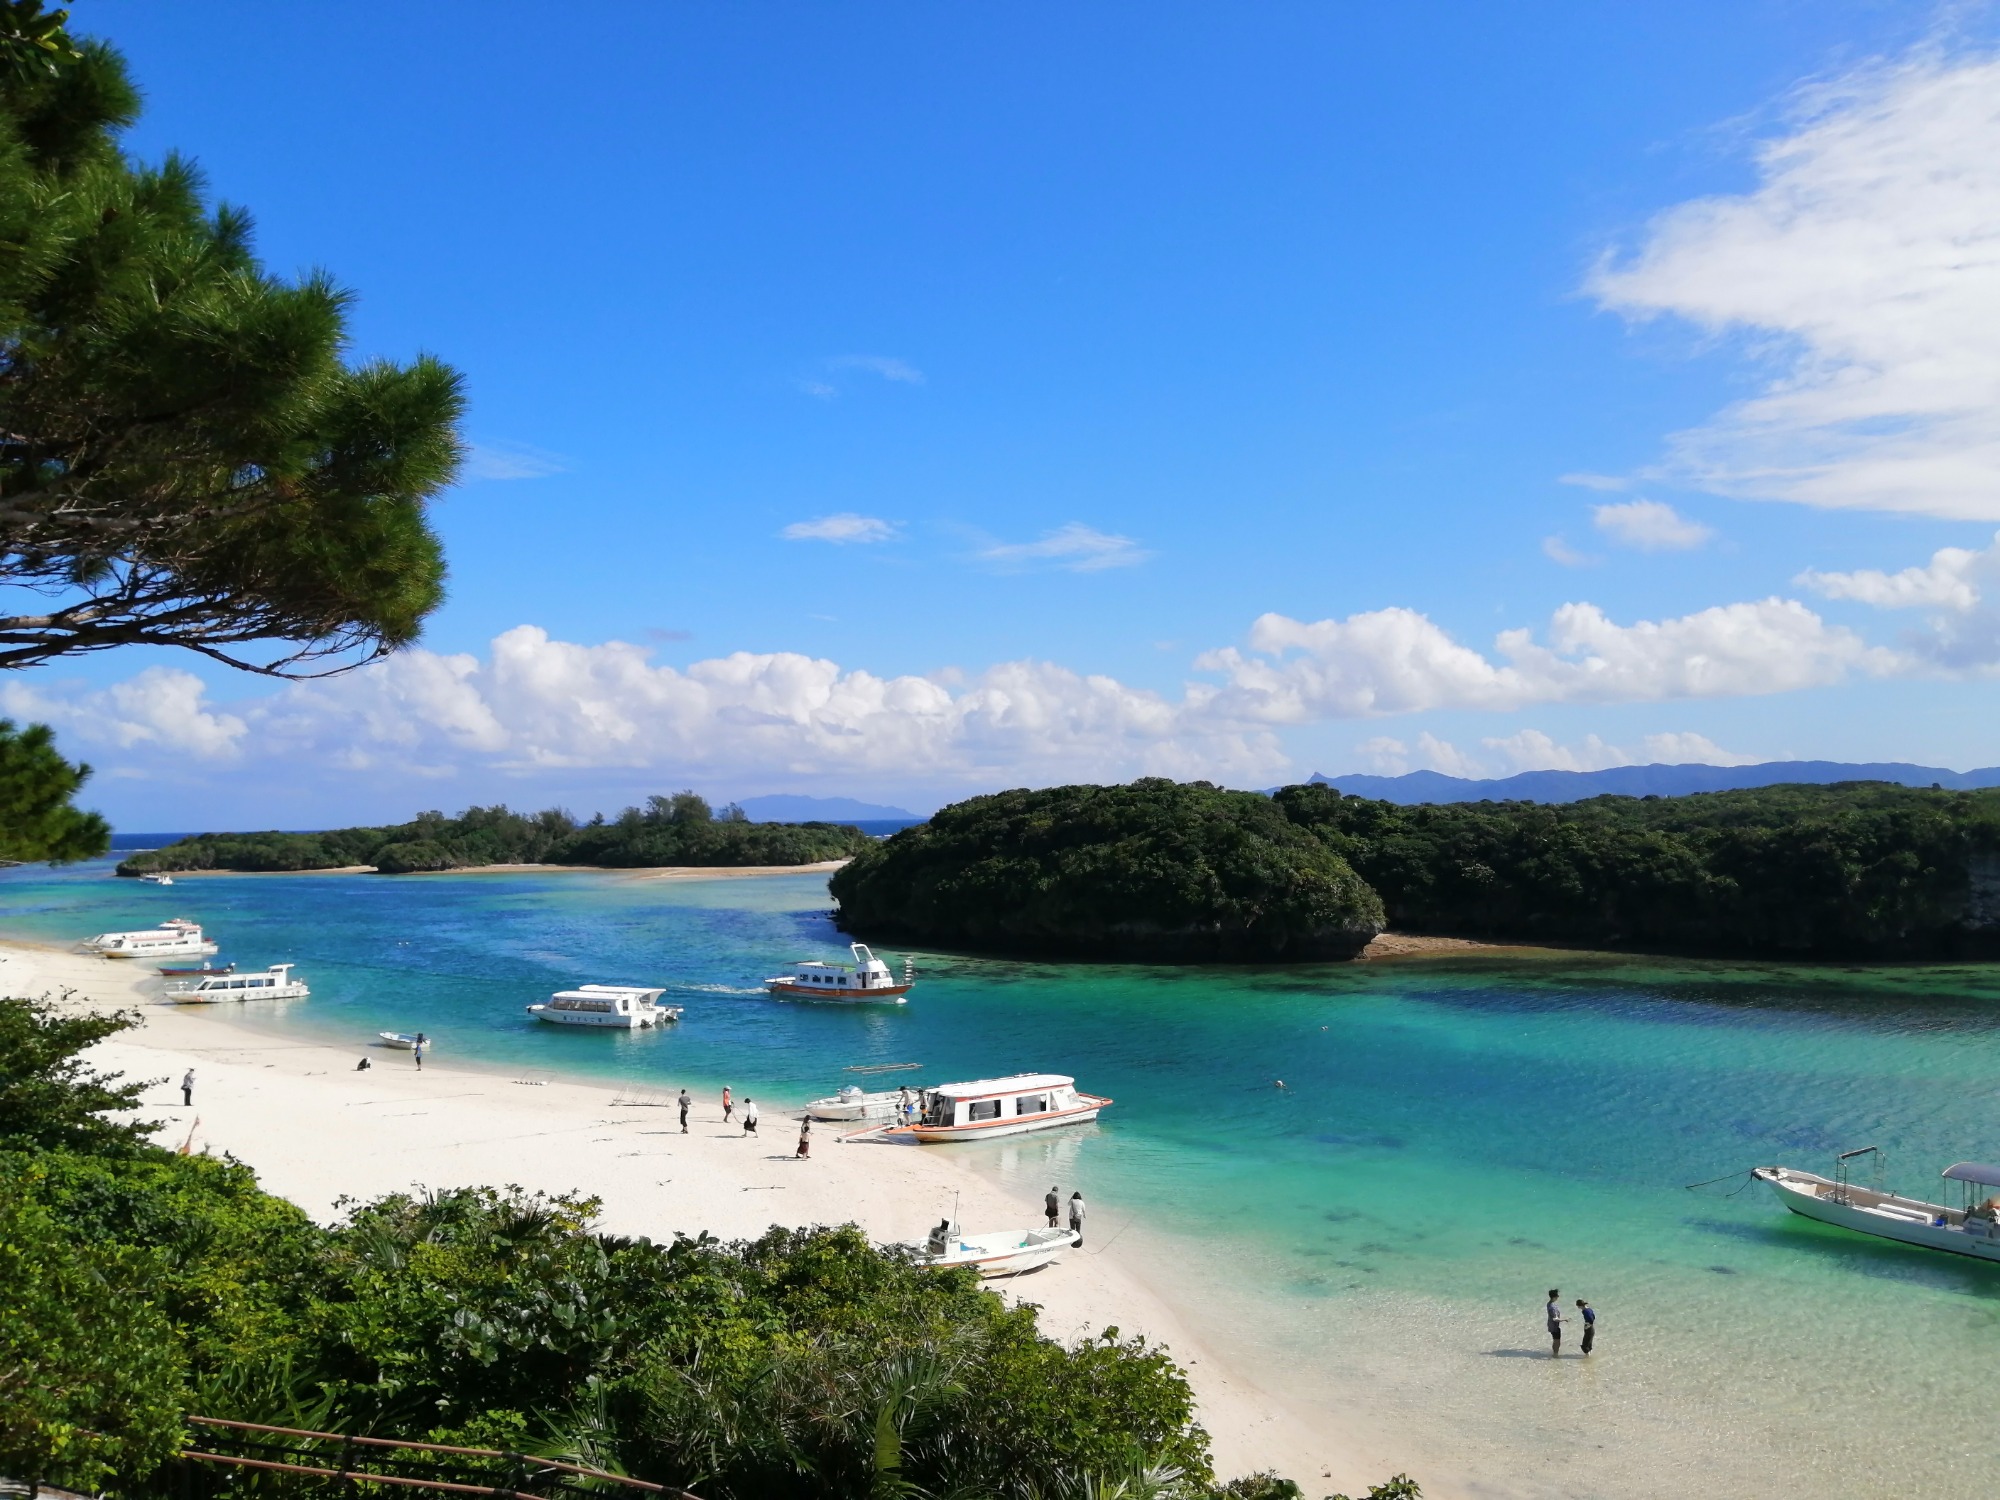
1647,781
785,808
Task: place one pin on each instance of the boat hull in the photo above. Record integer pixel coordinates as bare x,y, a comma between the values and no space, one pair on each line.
893,994
1880,1215
986,1130
190,949
1005,1253
223,997
640,1022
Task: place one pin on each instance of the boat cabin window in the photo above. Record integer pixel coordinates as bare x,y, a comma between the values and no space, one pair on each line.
1031,1104
983,1109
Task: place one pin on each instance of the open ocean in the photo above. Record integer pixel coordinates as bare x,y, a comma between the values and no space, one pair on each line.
1453,1138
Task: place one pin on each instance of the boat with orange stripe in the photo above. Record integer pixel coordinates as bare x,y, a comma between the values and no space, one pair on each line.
1014,1105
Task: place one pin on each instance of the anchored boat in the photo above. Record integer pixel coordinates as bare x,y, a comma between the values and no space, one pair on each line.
628,1007
275,983
852,1103
1001,1252
988,1107
174,939
866,979
1970,1228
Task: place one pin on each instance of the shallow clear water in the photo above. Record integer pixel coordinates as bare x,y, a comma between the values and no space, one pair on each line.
1378,1234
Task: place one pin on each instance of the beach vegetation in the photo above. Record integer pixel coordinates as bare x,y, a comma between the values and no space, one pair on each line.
676,830
187,458
39,819
1155,870
139,1285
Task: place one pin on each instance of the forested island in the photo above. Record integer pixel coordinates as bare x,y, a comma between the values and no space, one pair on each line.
1169,872
677,830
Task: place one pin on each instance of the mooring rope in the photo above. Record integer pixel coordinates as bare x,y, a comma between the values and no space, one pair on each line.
1748,1173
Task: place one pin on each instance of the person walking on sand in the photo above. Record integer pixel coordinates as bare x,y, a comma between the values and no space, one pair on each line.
749,1115
1076,1219
805,1137
1589,1315
1555,1317
187,1089
685,1102
1052,1206
727,1105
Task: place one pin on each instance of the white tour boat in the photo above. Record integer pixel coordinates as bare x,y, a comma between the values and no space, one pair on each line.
1003,1252
1968,1229
627,1006
275,983
156,877
866,979
169,940
852,1103
989,1107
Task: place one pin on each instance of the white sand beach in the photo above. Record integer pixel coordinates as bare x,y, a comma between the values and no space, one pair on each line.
294,1108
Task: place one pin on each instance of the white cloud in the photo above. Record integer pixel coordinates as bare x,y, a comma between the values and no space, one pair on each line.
159,709
1865,268
1532,750
1949,581
510,461
889,368
1649,525
1555,549
1393,661
844,527
1611,483
1075,548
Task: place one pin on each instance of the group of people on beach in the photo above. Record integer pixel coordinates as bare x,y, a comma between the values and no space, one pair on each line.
1052,1206
750,1117
1585,1313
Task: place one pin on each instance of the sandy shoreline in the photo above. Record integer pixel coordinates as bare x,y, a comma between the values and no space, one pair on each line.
295,1109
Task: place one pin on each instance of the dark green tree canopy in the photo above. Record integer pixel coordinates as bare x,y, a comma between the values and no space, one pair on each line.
186,458
37,821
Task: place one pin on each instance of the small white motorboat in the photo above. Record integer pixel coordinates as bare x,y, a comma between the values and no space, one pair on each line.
174,939
988,1107
1968,1229
156,877
275,983
852,1103
406,1040
867,979
628,1007
999,1252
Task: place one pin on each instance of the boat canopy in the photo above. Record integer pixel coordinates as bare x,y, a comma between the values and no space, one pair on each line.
1983,1173
1020,1083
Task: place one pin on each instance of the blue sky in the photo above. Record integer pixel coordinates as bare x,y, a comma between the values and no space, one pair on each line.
912,401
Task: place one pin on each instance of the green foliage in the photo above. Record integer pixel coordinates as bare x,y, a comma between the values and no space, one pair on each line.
677,830
90,1369
1154,870
185,458
37,821
50,1097
1857,869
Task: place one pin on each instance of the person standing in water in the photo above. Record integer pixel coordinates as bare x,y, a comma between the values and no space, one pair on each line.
685,1103
1076,1218
1555,1317
749,1115
727,1105
1589,1315
1052,1206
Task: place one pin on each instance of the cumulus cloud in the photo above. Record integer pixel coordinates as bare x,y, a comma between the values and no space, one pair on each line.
844,527
1865,268
1393,661
510,461
161,708
1649,526
1534,750
1962,633
1074,548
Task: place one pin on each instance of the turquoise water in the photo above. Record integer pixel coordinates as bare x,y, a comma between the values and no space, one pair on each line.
1373,1238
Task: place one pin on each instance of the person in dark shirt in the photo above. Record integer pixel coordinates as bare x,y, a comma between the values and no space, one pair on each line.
1555,1317
1589,1315
1052,1206
686,1102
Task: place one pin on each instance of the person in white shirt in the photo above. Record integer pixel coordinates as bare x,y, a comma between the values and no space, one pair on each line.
1076,1212
187,1088
749,1115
